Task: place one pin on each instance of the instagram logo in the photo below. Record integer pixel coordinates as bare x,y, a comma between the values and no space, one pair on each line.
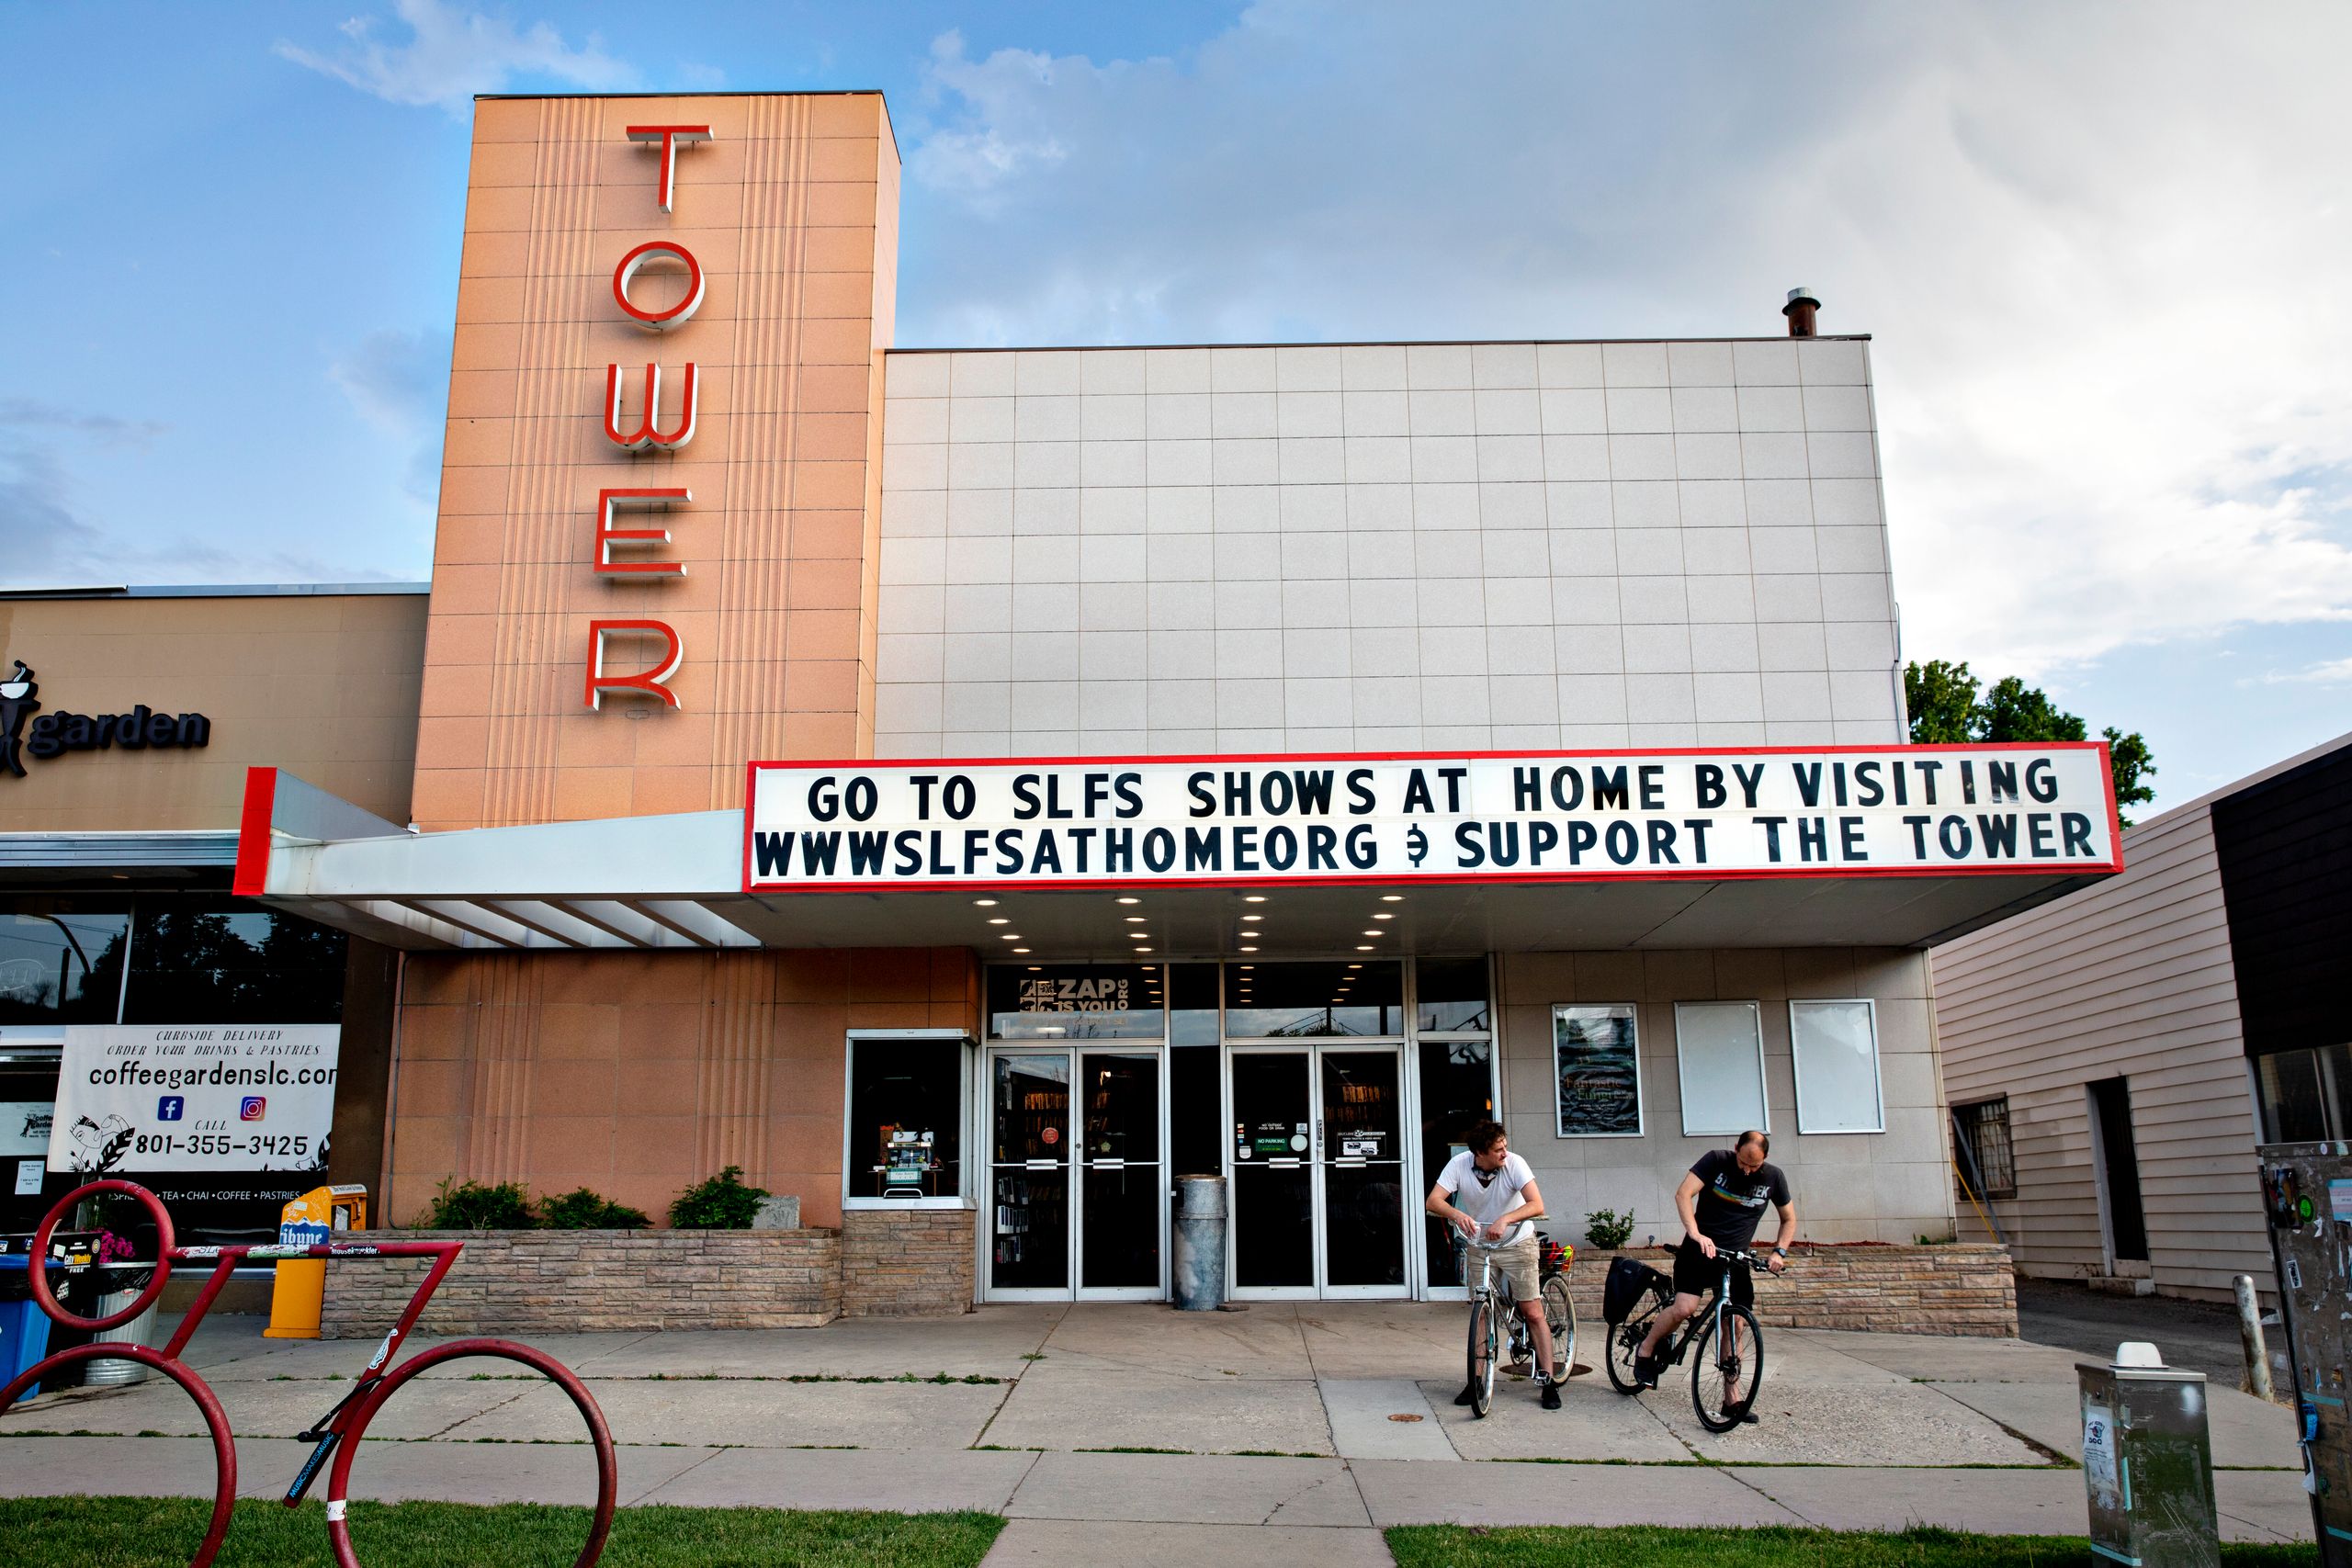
253,1107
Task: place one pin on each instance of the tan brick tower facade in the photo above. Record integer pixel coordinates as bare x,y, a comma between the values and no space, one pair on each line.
789,210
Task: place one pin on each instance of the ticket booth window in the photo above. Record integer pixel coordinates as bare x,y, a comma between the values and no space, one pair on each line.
906,1116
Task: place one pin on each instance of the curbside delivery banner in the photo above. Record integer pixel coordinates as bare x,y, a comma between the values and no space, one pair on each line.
194,1098
1492,817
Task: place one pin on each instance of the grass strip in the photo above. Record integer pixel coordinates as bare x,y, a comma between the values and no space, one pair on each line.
1646,1546
163,1532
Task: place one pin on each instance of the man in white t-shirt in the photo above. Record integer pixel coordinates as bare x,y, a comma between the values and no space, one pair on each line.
1485,1193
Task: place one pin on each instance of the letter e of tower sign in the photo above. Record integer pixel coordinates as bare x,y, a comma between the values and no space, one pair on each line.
644,434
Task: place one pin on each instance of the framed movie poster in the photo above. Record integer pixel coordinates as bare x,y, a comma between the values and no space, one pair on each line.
1597,1065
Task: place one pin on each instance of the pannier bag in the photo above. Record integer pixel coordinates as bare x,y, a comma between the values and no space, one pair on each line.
1629,1280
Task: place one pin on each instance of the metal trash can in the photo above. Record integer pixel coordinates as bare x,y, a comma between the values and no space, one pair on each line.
1200,1243
2148,1462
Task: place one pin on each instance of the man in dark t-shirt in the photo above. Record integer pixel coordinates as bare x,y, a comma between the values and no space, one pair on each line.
1721,1201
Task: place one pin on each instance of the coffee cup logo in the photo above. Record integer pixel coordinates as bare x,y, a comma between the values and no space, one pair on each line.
17,705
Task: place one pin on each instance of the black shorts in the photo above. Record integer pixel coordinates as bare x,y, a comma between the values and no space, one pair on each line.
1695,1274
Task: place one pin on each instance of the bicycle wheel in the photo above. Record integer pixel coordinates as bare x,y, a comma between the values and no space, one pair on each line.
1624,1340
1483,1347
1560,1316
224,1445
1726,1376
555,1372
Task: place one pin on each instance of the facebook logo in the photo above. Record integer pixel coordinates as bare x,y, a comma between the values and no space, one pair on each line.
252,1109
170,1108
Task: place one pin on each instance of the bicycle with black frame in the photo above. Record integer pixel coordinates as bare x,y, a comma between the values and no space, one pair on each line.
1730,1369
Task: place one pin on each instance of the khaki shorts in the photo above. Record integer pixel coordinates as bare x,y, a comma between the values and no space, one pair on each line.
1516,1265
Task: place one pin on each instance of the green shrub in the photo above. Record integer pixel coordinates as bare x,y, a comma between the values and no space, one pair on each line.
722,1203
1606,1229
583,1210
471,1206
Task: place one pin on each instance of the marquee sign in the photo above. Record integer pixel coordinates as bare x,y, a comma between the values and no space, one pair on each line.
1422,817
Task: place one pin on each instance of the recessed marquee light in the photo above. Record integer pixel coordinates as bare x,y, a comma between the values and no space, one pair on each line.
1253,897
1384,915
1136,920
1364,947
999,920
1009,936
1032,968
1251,918
1253,950
1392,897
985,903
1130,900
1372,934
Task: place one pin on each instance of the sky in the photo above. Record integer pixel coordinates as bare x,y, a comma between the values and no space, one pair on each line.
2100,249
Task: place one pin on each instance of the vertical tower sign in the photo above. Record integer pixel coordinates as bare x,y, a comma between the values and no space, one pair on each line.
657,552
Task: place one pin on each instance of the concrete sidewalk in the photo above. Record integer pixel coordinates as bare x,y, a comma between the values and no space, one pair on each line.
1298,1432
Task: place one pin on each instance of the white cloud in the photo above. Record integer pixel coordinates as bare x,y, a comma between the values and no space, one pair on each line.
2100,248
450,55
2330,671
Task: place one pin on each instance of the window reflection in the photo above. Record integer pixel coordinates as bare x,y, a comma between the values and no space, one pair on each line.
1306,1001
196,961
61,965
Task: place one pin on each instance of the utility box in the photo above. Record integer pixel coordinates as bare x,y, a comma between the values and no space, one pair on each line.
301,1290
2148,1462
2307,1202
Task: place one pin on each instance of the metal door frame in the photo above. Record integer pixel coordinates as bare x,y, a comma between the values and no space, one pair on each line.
984,1135
1408,1163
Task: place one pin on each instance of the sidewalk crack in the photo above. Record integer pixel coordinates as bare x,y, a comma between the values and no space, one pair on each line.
657,1486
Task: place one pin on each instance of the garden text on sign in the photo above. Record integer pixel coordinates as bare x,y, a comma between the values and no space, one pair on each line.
1492,817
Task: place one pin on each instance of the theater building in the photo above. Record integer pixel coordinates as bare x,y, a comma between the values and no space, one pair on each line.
970,789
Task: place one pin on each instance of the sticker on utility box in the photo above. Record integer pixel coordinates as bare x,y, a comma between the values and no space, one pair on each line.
2099,1466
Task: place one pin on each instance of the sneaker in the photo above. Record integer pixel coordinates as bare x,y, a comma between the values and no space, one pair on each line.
1467,1397
1645,1370
1551,1394
1748,1419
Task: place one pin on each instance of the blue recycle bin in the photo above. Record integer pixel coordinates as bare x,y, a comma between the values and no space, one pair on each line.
24,1327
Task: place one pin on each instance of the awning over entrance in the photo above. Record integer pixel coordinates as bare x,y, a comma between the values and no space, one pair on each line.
677,882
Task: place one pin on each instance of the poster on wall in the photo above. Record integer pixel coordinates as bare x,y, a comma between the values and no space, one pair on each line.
1598,1066
24,1127
192,1098
1479,816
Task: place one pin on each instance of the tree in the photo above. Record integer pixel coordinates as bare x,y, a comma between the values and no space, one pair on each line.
1942,700
1946,710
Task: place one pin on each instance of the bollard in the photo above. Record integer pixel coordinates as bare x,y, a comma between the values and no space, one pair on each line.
2258,1357
1200,1243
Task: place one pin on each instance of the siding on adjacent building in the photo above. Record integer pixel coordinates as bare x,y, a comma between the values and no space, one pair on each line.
2130,978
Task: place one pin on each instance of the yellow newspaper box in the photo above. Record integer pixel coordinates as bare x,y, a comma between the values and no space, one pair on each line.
302,1281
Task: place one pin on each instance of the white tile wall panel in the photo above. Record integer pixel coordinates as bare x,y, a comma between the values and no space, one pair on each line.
1379,545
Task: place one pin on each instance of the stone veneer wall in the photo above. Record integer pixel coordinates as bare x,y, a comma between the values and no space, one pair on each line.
583,1282
907,1262
1962,1288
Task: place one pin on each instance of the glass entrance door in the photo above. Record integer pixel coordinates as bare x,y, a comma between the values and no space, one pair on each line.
1121,1191
1029,1153
1273,1214
1361,1162
1318,1198
1076,1188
